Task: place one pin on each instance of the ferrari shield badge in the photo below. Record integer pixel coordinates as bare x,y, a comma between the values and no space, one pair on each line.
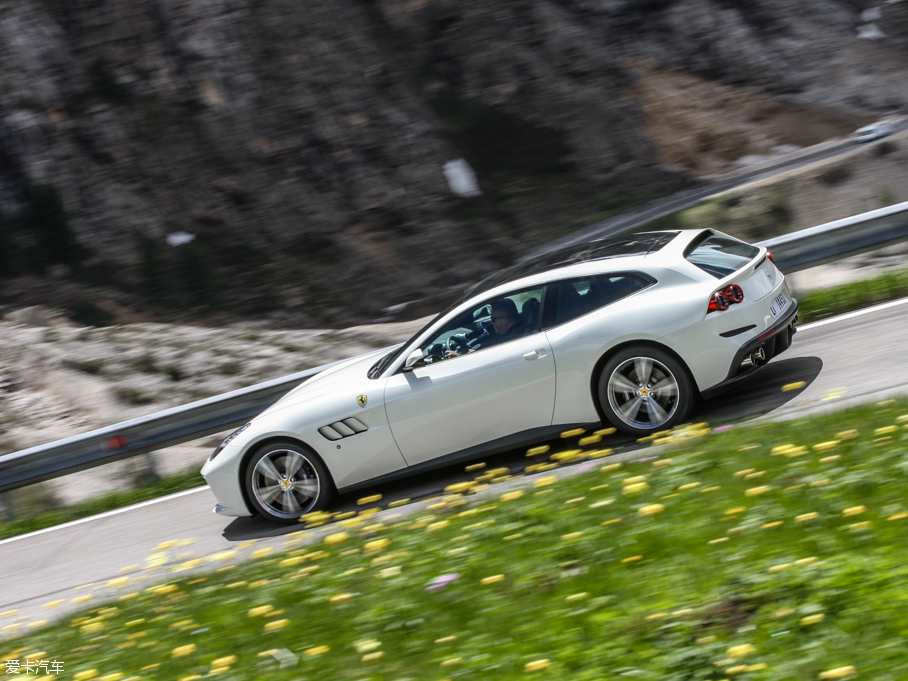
361,400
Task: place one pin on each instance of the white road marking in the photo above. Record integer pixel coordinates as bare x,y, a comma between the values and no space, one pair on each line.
851,315
103,515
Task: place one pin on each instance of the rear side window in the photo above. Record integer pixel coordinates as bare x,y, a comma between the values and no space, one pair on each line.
720,256
567,300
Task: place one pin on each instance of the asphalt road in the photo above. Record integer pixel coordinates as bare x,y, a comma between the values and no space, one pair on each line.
658,208
853,358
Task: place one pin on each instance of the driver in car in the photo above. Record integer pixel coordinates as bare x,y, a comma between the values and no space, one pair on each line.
506,325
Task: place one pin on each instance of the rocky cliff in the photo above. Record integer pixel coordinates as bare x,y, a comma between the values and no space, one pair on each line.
225,159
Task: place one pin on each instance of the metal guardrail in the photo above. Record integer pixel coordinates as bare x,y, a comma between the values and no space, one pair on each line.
840,239
791,252
148,433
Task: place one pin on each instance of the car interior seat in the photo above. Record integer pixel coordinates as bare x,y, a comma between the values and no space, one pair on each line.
570,302
529,312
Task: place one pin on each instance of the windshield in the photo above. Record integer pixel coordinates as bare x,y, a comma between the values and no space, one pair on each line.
378,368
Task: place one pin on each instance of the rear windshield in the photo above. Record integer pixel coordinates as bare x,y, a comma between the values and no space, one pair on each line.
720,255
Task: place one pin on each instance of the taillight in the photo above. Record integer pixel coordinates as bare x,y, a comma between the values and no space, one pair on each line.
718,301
769,255
721,299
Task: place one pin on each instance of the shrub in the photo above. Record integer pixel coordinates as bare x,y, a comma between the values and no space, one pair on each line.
133,396
835,174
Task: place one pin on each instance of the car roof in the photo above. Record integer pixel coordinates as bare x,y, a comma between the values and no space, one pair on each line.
616,246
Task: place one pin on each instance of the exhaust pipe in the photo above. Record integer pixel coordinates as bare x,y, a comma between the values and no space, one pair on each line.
758,356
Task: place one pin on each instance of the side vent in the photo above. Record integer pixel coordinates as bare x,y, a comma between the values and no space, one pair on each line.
344,428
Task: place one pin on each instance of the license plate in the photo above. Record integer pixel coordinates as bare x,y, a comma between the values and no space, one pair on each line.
779,303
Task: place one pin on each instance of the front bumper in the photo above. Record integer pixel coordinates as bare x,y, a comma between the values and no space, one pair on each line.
767,339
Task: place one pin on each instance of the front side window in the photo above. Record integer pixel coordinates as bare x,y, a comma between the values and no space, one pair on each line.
492,322
572,298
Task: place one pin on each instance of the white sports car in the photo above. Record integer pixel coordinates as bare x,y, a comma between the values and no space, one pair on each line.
627,330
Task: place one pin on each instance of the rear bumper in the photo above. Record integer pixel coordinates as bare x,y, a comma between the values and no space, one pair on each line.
767,339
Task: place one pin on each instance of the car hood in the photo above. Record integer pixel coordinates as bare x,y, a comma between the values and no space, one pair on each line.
338,379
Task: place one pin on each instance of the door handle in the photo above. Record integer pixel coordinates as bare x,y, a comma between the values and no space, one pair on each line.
535,354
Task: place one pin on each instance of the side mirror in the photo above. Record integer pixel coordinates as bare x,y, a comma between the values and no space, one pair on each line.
415,360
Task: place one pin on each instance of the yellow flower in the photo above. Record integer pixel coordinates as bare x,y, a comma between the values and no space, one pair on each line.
573,433
318,650
261,610
854,510
651,509
571,535
797,385
608,468
780,567
367,645
87,674
377,545
743,650
460,487
536,665
634,488
690,485
336,538
813,619
493,579
450,661
775,523
115,676
372,657
577,597
276,624
390,572
806,516
548,480
847,434
823,446
885,430
341,598
511,496
368,500
224,661
183,651
838,672
754,491
631,559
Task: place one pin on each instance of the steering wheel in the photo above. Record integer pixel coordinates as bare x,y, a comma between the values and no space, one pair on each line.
458,344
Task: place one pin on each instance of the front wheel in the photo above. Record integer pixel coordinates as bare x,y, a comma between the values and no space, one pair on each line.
643,390
284,481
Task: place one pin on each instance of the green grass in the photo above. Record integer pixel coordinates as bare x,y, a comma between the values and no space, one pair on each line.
766,552
855,295
38,521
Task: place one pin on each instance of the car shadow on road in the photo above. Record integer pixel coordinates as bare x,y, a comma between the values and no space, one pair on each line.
755,397
763,393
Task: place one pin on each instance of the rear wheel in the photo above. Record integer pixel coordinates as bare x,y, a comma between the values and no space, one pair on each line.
284,481
643,390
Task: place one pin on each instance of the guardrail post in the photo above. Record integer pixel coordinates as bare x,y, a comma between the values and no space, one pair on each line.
7,506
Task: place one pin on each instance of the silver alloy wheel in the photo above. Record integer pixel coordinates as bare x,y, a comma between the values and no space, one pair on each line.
285,483
643,393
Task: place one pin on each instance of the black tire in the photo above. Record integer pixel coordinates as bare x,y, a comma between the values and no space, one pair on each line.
626,395
284,480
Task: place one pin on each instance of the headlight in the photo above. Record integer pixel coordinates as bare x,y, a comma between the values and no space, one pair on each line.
228,440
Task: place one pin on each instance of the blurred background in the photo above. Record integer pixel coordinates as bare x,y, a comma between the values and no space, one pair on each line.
311,164
274,167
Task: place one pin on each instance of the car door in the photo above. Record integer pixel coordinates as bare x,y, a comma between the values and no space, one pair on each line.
482,395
